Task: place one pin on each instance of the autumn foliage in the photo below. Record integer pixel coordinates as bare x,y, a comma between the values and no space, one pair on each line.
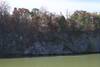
21,28
37,20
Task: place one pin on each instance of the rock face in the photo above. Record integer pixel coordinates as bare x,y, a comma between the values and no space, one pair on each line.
16,44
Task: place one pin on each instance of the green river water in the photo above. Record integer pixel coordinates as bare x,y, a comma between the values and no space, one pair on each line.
57,61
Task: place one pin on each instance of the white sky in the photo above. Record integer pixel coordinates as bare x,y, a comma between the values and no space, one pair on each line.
58,5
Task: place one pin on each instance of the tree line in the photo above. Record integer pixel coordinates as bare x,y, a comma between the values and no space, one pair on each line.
22,28
38,20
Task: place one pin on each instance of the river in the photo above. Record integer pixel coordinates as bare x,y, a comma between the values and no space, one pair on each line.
56,61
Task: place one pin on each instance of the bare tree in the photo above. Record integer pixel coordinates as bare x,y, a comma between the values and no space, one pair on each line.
4,15
4,11
4,8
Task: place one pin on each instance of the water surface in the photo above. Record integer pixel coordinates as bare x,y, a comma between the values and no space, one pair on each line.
58,61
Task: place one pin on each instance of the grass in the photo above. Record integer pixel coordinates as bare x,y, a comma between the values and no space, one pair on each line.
57,61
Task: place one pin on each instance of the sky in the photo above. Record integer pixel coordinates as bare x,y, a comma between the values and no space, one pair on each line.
58,6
